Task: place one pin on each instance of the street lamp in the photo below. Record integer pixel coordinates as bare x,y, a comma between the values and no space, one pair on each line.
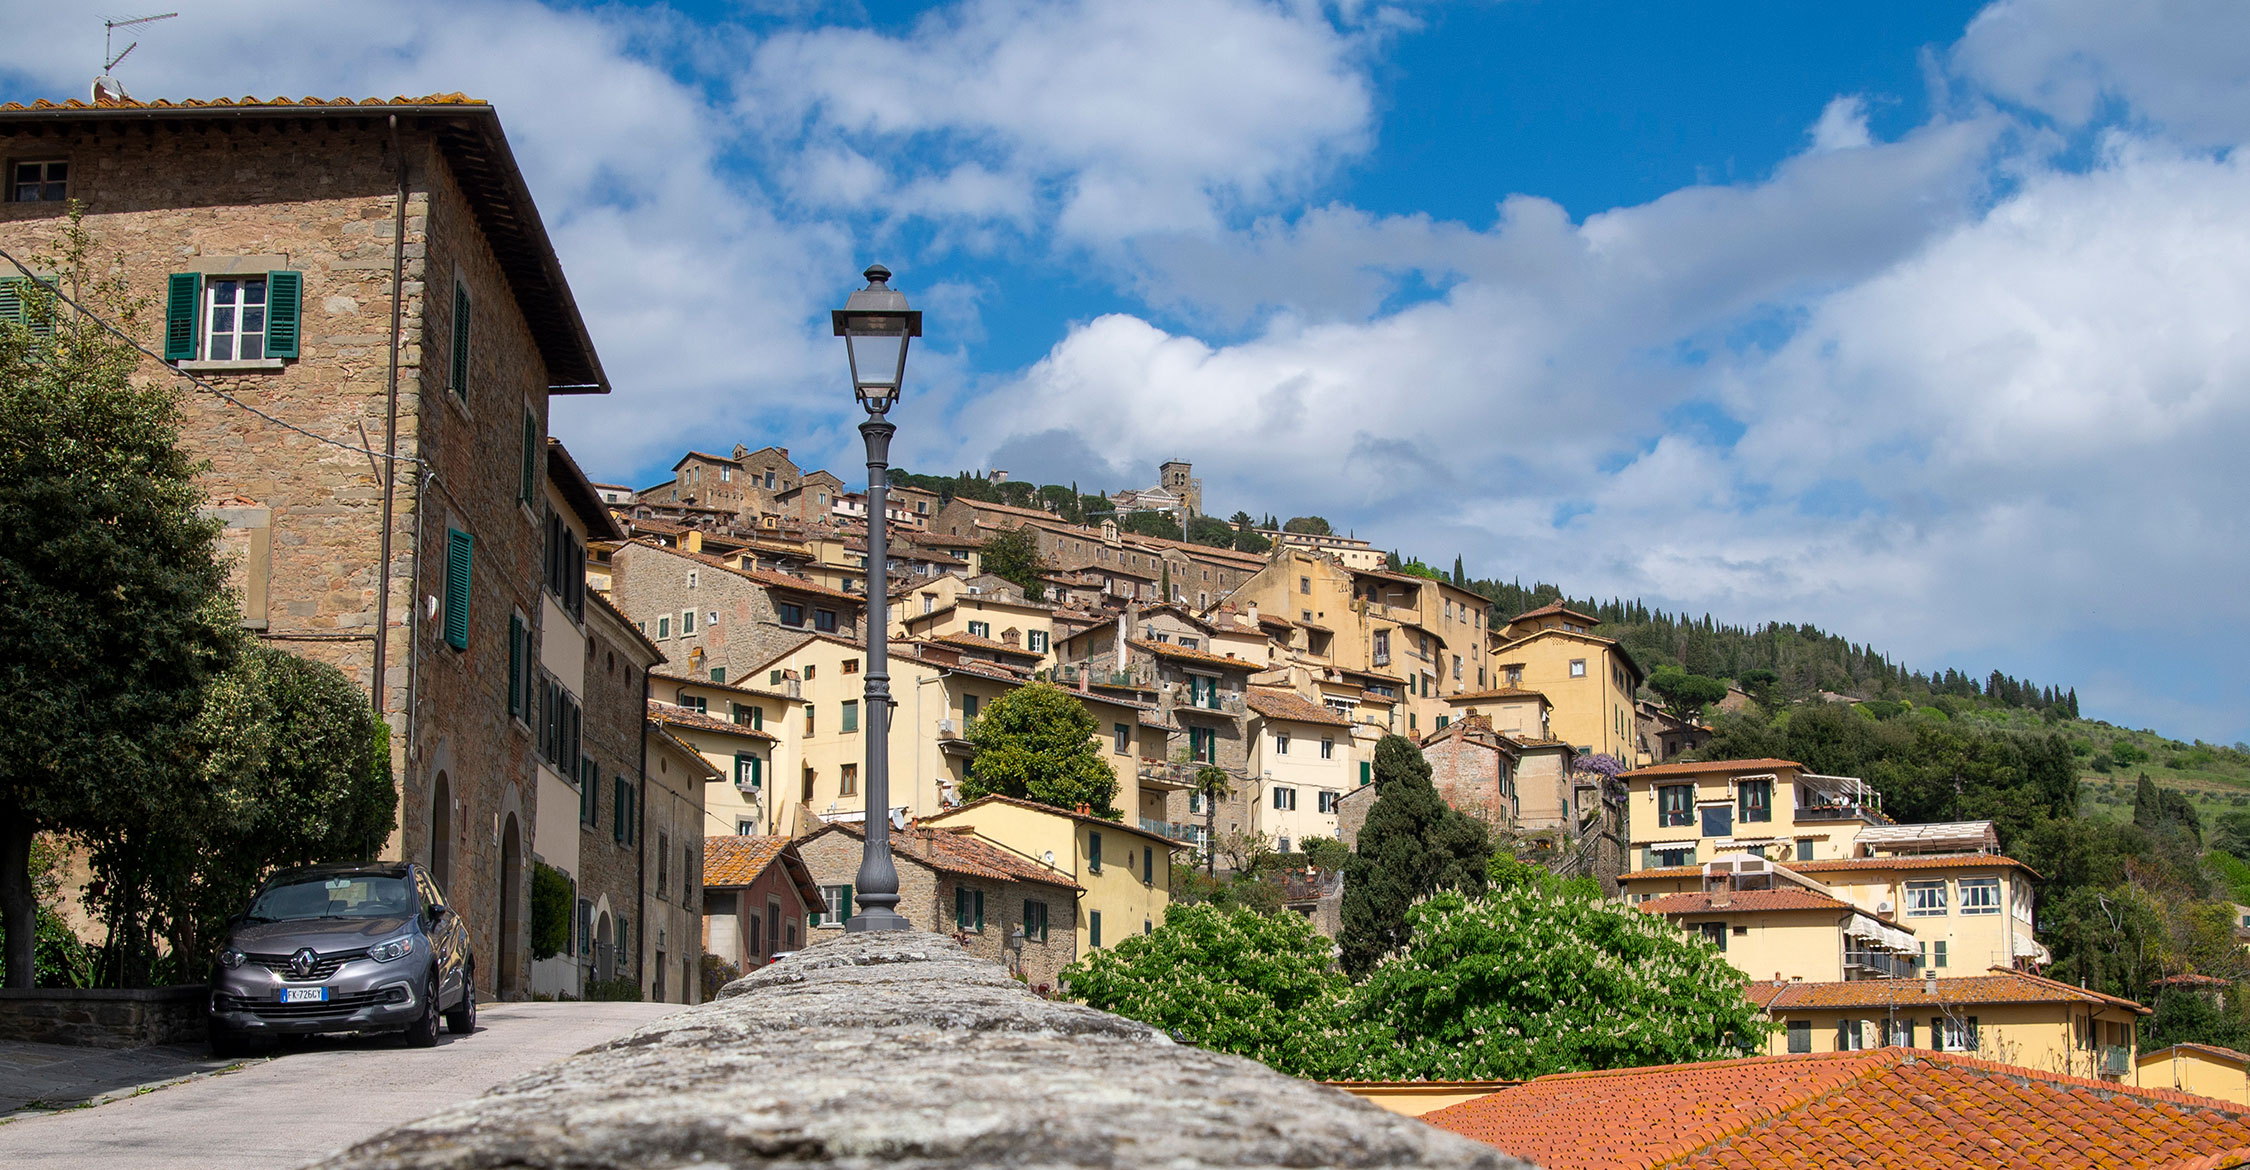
876,326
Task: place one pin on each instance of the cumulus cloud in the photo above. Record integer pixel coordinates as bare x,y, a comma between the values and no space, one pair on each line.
2177,64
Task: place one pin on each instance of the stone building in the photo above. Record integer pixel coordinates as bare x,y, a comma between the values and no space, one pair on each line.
757,895
954,882
1473,769
718,620
302,254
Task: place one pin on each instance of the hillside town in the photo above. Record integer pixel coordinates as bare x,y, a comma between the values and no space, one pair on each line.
628,724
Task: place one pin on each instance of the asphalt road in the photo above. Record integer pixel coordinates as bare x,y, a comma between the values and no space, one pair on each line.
312,1098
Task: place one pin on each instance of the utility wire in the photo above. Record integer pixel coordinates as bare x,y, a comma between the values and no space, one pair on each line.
191,379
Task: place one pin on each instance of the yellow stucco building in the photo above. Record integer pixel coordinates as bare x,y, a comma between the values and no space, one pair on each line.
1685,814
2007,1016
1589,679
1125,874
2203,1069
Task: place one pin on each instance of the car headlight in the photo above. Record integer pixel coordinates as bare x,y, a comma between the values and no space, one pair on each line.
231,958
397,948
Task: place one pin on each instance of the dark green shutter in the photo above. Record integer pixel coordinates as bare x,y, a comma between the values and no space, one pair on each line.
461,340
285,294
980,911
459,555
530,456
515,664
184,294
12,300
846,904
1366,773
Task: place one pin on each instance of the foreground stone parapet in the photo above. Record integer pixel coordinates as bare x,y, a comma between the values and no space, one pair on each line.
901,1051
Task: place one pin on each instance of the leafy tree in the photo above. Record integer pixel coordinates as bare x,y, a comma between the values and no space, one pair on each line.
1685,695
1308,526
114,610
1326,852
1412,846
1240,521
1157,524
1214,785
2183,1016
1210,530
1013,555
1252,541
552,900
1037,743
1761,685
1415,568
1229,980
1520,983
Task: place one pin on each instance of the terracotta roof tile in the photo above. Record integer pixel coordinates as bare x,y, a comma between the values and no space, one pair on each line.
2213,1050
1082,818
1183,654
1553,609
1499,693
1712,766
972,642
963,852
1277,704
1889,1109
672,715
1852,864
1999,986
1742,902
737,861
435,99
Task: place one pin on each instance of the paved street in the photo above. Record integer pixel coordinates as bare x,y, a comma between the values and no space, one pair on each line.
302,1103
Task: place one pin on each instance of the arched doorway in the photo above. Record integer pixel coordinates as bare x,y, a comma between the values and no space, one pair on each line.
511,913
605,949
441,834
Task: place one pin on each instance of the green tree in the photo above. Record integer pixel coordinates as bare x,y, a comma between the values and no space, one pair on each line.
1157,524
1308,526
1412,846
1037,743
1230,980
1521,983
1012,554
1685,695
1210,530
1250,540
114,610
552,900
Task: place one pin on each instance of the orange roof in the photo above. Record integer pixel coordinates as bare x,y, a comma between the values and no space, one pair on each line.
1850,864
1888,1109
435,99
2001,985
971,641
1554,609
1292,706
2210,1050
1710,766
1743,902
672,715
1183,654
958,851
738,860
1051,810
1499,693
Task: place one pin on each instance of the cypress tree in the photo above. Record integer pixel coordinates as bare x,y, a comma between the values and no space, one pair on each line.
1412,846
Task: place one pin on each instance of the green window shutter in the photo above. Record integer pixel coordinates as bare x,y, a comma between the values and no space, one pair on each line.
285,294
183,296
960,909
11,300
1094,928
459,556
530,457
980,911
1366,773
515,664
757,718
461,340
846,904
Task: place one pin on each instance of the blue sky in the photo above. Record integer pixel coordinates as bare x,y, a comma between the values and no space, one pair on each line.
1918,322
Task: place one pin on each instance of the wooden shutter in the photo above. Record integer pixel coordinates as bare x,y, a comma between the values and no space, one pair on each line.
183,297
16,305
459,556
285,292
980,911
11,300
530,457
845,905
461,340
516,646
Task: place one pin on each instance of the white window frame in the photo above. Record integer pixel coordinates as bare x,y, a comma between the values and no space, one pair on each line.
830,897
1326,801
1577,668
1926,899
1281,743
242,310
1284,799
1328,747
1971,904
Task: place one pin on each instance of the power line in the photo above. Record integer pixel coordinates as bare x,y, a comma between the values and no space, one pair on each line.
191,379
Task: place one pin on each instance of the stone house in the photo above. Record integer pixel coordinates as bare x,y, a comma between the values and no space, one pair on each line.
710,481
1473,768
954,882
1126,873
812,500
662,828
717,619
757,895
377,274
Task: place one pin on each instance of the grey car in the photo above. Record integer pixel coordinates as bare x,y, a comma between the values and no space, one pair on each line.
343,948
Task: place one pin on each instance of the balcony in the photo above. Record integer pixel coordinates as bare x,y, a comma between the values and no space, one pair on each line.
953,737
1172,830
1875,964
2116,1060
1832,812
1169,775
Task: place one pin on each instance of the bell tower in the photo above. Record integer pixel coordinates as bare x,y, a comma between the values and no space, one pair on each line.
1177,477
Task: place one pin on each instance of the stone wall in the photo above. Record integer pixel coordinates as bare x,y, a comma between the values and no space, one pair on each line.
926,898
901,1051
651,583
104,1018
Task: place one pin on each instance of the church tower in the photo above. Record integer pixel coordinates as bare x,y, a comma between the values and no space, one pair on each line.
1177,477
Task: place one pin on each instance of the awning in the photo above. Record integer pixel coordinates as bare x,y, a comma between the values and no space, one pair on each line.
2029,948
1890,937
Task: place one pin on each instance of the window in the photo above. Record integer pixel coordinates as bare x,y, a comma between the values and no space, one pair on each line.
460,550
1577,668
1980,895
1328,801
980,629
718,674
1953,1033
847,779
1382,647
460,368
792,615
1456,668
1281,743
968,708
664,627
1124,734
850,720
1203,745
585,927
687,622
1036,641
528,484
1925,899
1800,1035
851,666
589,794
1933,955
1366,773
824,620
749,772
696,703
663,861
1444,721
622,831
1327,748
1034,921
1674,856
835,906
1755,800
1285,799
809,672
1304,585
1902,1034
519,647
928,603
1718,820
1852,1035
1675,805
968,910
809,724
1094,928
1804,849
39,182
1714,933
1513,675
1148,865
1094,853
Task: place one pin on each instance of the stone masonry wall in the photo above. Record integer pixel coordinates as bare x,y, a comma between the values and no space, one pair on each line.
611,738
901,1051
649,583
104,1018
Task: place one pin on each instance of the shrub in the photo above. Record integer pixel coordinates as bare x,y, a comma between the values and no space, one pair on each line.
717,973
552,897
623,989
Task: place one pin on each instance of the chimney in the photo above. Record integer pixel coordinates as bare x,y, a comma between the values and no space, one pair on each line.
1253,613
1929,983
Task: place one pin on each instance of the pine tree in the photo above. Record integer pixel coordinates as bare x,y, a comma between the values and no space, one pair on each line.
1412,846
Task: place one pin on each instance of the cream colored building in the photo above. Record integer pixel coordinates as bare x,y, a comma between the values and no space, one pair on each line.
2007,1016
1687,814
928,612
1125,874
2203,1069
729,728
1301,751
1589,679
1772,923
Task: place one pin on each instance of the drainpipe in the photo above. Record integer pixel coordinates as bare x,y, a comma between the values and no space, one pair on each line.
390,433
640,844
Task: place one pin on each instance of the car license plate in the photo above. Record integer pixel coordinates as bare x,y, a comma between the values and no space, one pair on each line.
304,995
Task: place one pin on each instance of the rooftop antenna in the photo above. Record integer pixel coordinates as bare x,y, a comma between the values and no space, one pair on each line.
107,86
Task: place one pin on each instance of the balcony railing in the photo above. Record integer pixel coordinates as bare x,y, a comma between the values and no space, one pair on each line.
1832,813
1172,830
1871,964
2117,1060
1174,774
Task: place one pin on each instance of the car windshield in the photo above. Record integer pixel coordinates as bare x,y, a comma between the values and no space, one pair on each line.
338,896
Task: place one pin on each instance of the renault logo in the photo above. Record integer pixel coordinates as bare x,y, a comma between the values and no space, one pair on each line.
302,963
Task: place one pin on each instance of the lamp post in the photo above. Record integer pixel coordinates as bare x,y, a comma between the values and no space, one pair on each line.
876,326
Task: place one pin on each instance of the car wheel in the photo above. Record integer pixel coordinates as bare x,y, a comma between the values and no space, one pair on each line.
462,1020
423,1033
228,1043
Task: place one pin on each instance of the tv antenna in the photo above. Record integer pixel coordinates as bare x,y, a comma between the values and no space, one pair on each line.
107,84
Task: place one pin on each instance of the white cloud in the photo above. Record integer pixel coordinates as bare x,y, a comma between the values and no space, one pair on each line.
2176,63
1842,125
